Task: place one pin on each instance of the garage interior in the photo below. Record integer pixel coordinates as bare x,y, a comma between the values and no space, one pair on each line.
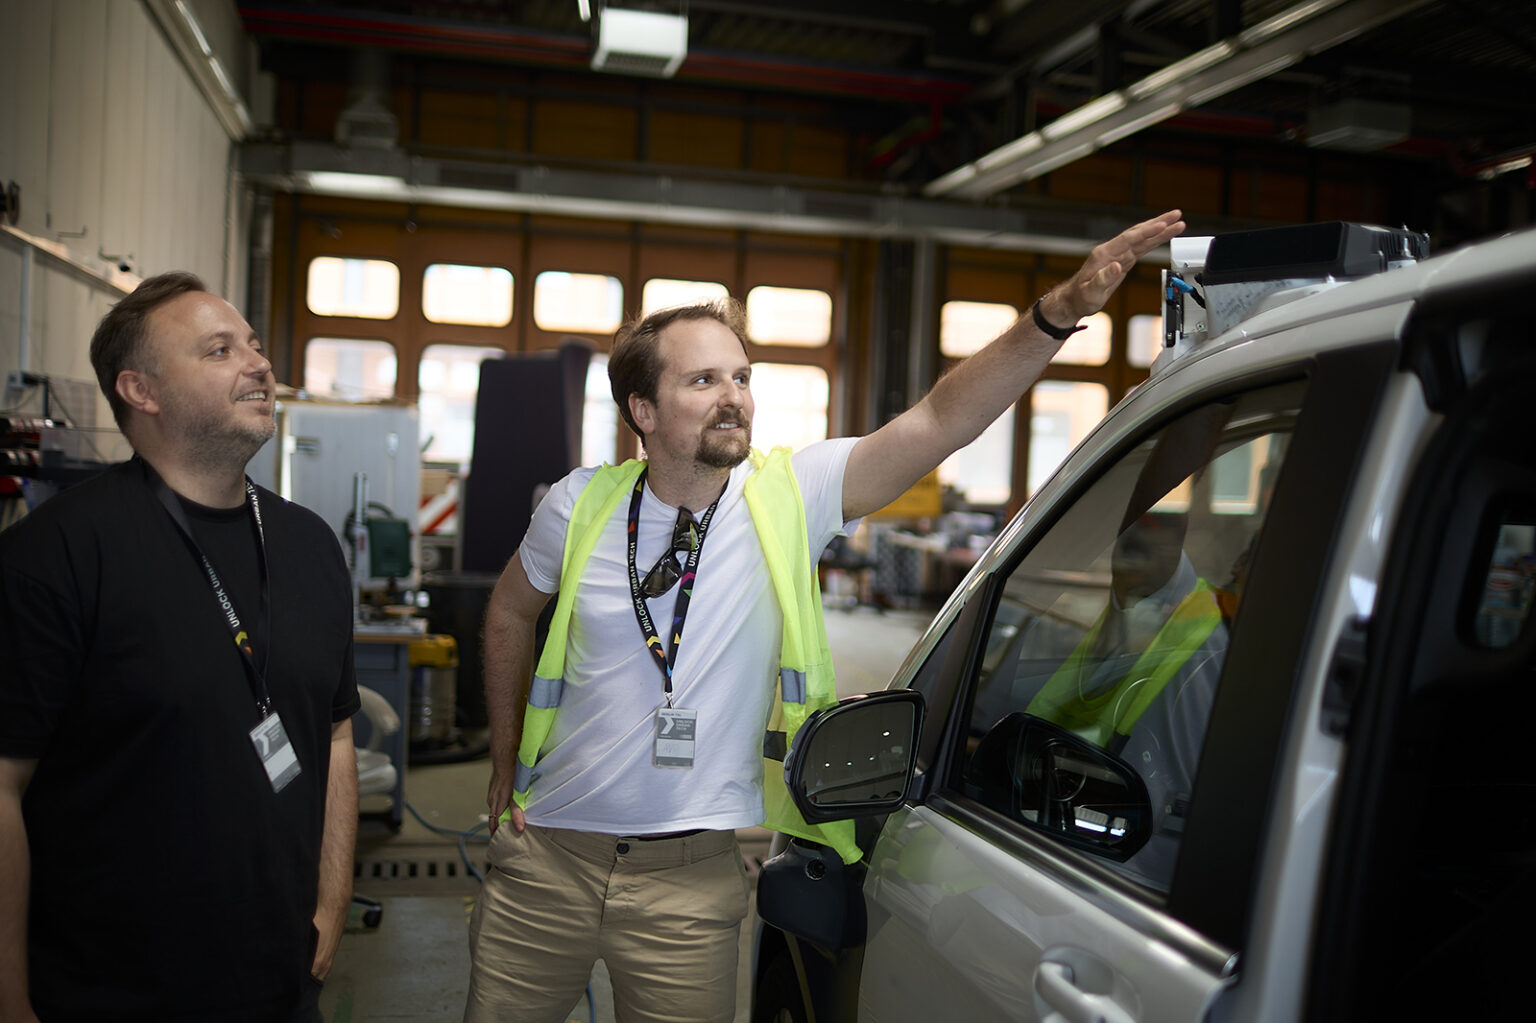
903,159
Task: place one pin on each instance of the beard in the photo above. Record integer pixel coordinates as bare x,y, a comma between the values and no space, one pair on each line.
725,450
221,441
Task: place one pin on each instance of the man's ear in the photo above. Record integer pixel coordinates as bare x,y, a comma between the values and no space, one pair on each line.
643,412
136,391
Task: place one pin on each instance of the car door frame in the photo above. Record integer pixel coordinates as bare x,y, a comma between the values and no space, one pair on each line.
1418,637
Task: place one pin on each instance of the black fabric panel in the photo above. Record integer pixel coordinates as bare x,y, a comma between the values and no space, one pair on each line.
527,436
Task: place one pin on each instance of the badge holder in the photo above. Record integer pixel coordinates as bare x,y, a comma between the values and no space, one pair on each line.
271,741
675,730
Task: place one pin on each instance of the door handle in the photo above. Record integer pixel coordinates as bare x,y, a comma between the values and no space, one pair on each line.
1056,986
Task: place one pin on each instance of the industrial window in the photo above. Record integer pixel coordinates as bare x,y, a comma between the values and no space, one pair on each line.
1061,414
1145,336
791,405
369,288
478,296
600,416
448,379
1090,346
801,317
349,369
582,303
982,471
664,293
966,327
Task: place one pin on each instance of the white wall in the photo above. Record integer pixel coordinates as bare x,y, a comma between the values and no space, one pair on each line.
109,135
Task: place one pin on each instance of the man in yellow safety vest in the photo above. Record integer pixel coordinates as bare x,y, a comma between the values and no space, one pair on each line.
624,759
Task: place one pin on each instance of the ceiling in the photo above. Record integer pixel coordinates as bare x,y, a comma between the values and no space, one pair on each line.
962,95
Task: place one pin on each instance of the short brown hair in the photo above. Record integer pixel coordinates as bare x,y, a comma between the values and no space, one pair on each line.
118,343
634,367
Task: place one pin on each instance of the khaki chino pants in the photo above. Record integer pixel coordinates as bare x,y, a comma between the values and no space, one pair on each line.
664,915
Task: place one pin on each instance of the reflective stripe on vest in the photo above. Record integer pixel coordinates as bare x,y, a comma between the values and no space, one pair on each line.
805,660
545,692
791,685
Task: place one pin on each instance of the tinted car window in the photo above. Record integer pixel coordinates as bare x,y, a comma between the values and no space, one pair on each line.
1114,627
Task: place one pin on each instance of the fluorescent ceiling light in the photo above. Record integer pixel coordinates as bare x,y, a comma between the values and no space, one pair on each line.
1006,154
1504,167
347,183
1286,19
1083,116
1179,70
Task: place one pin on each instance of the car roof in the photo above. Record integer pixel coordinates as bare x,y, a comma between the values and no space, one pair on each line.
1474,267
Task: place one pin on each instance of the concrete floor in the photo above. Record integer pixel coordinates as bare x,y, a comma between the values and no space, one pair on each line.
414,966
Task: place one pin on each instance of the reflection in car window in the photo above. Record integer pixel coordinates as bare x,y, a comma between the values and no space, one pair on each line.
1115,625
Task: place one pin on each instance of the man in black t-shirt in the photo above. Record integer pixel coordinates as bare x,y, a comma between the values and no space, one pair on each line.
178,789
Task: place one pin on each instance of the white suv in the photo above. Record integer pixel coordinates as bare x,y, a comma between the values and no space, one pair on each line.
1233,721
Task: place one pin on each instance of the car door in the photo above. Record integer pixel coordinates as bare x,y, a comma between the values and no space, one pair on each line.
1111,612
1430,884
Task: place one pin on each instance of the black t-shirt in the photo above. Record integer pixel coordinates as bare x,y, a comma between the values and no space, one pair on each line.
168,880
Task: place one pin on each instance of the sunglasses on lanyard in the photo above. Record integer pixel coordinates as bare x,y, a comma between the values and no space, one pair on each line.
668,569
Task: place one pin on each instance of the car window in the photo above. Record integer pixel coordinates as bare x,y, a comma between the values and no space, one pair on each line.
1113,629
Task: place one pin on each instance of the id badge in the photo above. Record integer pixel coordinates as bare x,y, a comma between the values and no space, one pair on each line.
675,729
275,751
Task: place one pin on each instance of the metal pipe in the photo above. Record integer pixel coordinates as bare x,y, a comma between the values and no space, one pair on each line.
24,313
357,541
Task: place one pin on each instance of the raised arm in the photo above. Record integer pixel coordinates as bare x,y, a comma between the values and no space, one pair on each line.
15,880
965,402
510,620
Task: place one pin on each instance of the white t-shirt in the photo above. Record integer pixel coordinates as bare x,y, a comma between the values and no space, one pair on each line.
595,771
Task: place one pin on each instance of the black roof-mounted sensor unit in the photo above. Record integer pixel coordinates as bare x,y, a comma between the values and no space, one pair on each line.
1336,250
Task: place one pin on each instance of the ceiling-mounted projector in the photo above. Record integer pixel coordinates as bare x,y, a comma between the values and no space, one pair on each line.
640,42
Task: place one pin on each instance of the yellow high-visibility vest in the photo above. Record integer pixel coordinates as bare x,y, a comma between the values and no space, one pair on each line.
806,681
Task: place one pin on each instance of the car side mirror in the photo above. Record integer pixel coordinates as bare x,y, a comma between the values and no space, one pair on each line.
855,759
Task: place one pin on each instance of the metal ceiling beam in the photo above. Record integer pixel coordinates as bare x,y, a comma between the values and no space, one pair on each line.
1255,53
324,169
518,44
897,17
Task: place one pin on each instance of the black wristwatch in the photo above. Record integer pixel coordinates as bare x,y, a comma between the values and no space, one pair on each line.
1049,329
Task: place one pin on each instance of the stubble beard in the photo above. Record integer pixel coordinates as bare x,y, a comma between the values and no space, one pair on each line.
724,450
219,442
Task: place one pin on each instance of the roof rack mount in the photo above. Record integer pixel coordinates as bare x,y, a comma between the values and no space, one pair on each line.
1216,282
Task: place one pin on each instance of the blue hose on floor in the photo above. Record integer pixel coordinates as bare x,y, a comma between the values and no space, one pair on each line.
464,837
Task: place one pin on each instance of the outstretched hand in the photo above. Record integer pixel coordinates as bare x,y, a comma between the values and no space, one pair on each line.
1106,267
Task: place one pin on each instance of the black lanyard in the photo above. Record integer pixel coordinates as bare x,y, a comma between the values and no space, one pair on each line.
257,677
666,657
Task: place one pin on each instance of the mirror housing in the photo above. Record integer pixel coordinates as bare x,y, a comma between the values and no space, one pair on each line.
855,759
808,891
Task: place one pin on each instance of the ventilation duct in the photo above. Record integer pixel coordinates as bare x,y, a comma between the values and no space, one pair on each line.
640,43
367,120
